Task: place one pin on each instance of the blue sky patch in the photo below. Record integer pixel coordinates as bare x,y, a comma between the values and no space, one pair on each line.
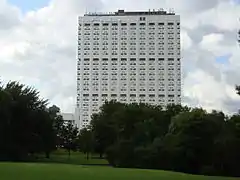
236,1
29,5
223,59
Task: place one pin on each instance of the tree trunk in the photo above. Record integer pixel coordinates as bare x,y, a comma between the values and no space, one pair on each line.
69,153
87,155
47,154
101,155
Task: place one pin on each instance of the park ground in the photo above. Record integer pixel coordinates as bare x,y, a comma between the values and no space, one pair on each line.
77,167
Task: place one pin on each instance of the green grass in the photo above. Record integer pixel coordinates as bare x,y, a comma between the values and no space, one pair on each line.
38,171
77,167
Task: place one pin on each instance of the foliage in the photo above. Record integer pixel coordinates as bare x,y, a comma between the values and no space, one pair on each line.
69,134
85,141
25,124
175,138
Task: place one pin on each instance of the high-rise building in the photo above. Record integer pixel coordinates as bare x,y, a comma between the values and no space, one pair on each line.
129,57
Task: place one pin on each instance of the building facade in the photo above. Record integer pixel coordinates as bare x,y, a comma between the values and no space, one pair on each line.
129,57
68,117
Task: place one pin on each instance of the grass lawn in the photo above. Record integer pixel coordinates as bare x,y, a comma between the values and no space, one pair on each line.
77,167
39,171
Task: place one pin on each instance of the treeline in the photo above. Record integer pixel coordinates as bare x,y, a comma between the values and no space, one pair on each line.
28,127
176,138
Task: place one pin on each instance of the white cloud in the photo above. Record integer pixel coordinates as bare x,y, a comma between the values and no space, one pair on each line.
212,42
9,16
38,48
186,41
224,16
206,90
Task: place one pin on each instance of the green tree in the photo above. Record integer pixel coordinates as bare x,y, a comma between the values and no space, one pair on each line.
104,126
85,141
175,138
231,146
69,135
189,135
24,122
58,124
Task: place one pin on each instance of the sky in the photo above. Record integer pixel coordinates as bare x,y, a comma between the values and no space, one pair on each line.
27,5
38,41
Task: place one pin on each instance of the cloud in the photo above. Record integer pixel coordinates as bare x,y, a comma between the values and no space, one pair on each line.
187,6
9,16
209,92
186,41
38,48
224,16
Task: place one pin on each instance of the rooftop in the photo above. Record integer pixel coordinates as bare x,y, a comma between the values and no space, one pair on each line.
131,13
67,116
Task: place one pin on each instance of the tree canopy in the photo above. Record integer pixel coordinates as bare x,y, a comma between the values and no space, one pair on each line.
25,123
175,138
28,126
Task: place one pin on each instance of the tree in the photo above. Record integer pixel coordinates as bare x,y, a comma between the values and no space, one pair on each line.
130,128
104,126
231,145
85,141
237,88
176,138
69,136
58,124
190,133
25,125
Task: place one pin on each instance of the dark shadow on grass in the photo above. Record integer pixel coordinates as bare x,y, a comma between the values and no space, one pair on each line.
61,157
106,165
70,161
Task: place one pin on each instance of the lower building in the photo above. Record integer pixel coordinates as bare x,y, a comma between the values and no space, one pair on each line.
68,117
